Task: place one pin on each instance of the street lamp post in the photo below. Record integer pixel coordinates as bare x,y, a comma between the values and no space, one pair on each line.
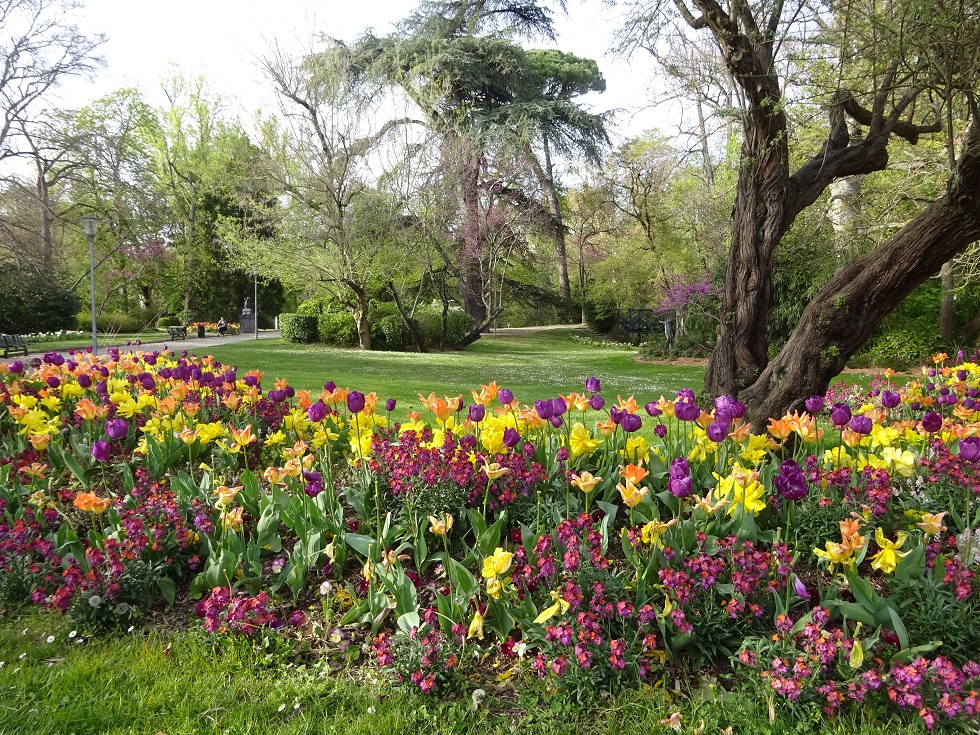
255,300
91,225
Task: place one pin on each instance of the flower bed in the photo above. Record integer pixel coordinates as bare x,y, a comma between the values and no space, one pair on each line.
829,558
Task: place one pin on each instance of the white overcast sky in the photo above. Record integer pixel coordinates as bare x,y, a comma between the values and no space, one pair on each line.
222,38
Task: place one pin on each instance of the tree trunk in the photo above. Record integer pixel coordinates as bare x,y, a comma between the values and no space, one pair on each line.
360,313
546,178
843,315
472,285
759,221
948,281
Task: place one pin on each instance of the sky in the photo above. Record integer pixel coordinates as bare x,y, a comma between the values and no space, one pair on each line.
222,39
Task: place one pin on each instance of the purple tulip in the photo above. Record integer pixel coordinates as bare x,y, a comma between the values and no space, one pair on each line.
543,409
815,404
660,430
616,415
84,381
799,588
686,394
652,409
53,381
596,403
390,405
558,406
317,412
861,425
631,422
311,476
476,413
505,396
890,399
791,483
970,448
511,438
592,384
686,411
840,415
679,467
738,410
932,422
961,374
717,432
290,391
147,382
355,401
100,450
556,421
16,367
330,386
313,489
117,428
251,380
679,487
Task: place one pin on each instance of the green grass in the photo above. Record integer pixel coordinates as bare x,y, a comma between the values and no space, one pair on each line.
179,683
533,366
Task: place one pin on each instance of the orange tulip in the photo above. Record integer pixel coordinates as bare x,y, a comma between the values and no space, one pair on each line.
633,473
91,503
85,409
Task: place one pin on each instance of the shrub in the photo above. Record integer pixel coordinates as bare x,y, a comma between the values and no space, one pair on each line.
32,302
337,328
395,335
298,327
114,323
168,321
429,318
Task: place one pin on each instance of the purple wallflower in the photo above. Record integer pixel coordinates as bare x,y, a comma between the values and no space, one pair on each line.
355,401
317,412
932,422
100,450
117,428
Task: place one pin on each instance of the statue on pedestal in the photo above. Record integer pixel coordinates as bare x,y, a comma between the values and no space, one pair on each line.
247,309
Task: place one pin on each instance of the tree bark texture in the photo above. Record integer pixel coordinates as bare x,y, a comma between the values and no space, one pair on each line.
843,315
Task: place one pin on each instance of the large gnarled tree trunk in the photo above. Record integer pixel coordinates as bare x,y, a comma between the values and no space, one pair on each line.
843,315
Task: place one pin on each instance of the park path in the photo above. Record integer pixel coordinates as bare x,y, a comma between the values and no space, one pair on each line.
191,344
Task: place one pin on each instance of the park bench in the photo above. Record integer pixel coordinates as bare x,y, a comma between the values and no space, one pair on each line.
639,323
13,343
177,332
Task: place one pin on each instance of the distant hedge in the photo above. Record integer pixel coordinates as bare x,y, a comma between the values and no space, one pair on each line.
298,328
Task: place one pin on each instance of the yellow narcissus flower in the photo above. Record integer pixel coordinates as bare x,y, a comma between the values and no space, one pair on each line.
491,437
756,447
580,441
742,488
652,531
586,482
836,554
887,557
127,407
636,446
275,438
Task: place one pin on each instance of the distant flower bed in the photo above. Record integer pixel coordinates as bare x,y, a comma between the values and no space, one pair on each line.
41,337
213,326
829,558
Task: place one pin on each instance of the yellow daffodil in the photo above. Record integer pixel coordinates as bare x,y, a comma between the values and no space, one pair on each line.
560,607
887,557
580,441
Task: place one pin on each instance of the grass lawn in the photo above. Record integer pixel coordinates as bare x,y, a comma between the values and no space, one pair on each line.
533,366
178,683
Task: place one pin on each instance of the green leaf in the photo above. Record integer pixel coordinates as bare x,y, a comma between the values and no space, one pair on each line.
167,589
366,546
